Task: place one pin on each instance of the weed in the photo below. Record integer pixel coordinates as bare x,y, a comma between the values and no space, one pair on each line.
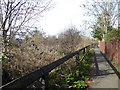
117,67
80,84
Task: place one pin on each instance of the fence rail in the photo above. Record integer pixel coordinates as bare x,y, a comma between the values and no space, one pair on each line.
26,80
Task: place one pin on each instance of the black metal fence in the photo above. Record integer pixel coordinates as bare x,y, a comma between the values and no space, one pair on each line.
27,80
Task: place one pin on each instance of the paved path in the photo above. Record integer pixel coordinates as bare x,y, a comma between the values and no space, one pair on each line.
104,76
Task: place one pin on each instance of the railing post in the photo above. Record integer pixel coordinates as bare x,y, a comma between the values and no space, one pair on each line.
42,83
84,51
89,47
46,81
77,59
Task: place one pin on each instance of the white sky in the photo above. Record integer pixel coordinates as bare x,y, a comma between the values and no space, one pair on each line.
65,13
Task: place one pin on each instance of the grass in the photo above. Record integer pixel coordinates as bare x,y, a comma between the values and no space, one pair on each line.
116,66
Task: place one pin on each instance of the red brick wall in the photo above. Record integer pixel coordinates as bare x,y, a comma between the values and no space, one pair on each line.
111,49
102,46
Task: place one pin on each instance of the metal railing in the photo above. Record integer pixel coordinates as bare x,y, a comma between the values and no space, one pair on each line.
27,80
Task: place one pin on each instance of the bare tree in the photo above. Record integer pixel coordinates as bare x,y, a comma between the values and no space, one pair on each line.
16,14
69,40
106,9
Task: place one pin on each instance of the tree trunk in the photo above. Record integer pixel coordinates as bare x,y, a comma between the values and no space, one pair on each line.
5,43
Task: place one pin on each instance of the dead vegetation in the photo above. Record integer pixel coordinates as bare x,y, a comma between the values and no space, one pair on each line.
35,51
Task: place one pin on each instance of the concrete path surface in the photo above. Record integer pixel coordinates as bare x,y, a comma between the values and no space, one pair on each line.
103,75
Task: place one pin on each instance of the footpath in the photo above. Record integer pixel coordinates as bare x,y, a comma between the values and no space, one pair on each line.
103,75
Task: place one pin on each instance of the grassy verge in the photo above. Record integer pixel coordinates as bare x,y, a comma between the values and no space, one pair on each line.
72,76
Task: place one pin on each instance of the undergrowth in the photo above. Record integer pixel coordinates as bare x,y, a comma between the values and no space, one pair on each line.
76,77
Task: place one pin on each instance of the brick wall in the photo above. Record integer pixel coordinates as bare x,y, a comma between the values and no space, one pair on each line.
102,46
111,49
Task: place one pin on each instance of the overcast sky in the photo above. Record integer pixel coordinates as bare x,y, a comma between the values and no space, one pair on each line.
64,14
